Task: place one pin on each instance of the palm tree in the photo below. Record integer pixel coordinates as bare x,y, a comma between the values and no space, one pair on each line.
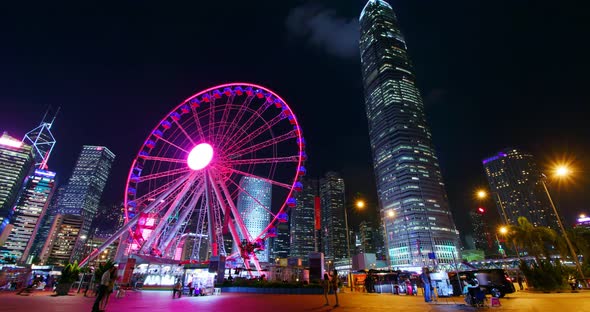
536,240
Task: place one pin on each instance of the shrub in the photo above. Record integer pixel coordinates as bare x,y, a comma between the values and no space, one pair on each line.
70,273
546,276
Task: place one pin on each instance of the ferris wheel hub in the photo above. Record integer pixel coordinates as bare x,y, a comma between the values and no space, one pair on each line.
200,156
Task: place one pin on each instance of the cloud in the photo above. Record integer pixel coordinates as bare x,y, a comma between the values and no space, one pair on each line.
325,29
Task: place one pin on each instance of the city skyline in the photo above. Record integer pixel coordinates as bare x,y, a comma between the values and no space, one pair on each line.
464,133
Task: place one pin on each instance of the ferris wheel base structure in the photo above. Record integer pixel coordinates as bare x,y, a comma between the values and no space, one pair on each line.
187,181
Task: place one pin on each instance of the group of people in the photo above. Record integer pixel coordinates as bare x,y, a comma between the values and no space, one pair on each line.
105,289
331,283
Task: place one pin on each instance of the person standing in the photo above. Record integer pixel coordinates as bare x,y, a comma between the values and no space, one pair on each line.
335,282
177,289
326,286
519,279
105,280
425,277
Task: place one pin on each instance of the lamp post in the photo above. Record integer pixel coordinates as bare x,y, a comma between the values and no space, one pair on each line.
360,204
563,171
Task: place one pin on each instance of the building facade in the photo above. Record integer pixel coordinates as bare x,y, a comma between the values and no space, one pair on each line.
333,232
409,180
63,237
482,238
81,196
28,213
303,240
16,161
515,184
280,245
254,204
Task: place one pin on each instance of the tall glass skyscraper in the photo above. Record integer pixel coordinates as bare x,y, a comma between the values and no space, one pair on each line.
28,212
413,202
255,216
333,230
303,238
16,161
515,182
81,195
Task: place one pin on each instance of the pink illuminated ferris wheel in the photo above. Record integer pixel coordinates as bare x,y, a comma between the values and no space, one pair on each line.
185,182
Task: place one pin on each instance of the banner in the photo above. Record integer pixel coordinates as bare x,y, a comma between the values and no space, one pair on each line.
318,214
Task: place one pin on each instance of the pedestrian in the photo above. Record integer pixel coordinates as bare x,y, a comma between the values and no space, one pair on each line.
177,289
335,285
110,289
191,289
326,286
519,279
425,277
105,280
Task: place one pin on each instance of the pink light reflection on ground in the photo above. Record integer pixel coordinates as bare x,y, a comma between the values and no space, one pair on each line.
200,156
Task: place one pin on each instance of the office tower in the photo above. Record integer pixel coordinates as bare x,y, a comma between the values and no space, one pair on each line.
333,230
42,141
366,237
29,210
302,237
45,223
82,194
280,244
16,160
409,181
256,192
514,181
63,236
481,233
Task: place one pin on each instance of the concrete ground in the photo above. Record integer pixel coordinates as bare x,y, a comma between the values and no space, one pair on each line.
158,301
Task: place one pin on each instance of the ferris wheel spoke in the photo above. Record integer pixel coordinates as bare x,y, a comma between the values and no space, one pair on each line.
242,190
165,159
246,174
170,186
264,144
227,108
250,136
184,132
236,120
172,144
163,174
256,161
249,122
197,122
186,211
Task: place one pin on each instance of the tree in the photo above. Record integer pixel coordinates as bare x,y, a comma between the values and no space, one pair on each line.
538,241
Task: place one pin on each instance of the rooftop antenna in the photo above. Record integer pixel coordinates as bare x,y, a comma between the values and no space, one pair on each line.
42,140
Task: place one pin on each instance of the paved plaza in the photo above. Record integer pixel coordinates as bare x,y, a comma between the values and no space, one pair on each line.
159,301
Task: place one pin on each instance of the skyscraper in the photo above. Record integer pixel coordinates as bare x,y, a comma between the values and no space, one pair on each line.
16,160
279,246
82,194
409,181
333,231
256,192
514,181
481,233
303,221
28,212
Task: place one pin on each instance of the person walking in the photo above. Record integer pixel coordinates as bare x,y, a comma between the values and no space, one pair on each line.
335,282
519,279
326,286
177,289
425,277
110,289
105,280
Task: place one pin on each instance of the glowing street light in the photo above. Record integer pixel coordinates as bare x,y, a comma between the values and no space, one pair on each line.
503,230
391,213
360,204
481,194
562,171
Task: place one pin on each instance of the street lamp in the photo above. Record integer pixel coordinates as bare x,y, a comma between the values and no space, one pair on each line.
360,204
562,171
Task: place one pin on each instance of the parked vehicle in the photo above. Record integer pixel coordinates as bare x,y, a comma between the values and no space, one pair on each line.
495,282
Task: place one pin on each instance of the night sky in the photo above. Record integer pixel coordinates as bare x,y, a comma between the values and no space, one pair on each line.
493,74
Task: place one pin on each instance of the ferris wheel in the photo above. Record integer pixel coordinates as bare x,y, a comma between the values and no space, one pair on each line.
224,159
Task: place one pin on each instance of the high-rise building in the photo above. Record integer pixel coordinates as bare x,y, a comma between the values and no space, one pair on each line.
409,181
254,204
303,238
63,236
279,246
333,231
42,141
45,224
29,210
81,196
366,238
481,232
16,160
515,183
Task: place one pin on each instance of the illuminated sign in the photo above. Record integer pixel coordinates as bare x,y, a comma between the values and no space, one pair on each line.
585,219
44,173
